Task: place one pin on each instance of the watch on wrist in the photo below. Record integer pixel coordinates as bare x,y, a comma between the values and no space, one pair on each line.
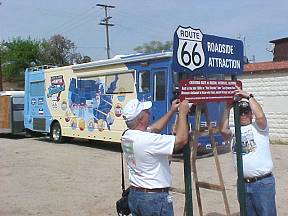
250,96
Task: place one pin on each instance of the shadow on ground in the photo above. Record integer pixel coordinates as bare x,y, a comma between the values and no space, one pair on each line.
217,214
105,145
13,136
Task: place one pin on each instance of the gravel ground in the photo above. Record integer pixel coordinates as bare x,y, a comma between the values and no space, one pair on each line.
81,178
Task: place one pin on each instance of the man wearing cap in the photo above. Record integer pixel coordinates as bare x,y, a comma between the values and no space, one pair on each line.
257,161
146,153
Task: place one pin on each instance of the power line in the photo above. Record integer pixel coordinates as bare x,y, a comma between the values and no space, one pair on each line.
106,23
75,25
75,21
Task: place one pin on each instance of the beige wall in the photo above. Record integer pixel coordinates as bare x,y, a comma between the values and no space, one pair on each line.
271,91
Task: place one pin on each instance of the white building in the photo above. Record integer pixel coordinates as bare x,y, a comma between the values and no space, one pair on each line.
268,81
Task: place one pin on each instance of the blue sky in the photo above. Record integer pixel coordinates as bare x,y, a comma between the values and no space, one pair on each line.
137,22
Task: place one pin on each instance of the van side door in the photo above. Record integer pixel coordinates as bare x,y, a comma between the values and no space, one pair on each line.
159,93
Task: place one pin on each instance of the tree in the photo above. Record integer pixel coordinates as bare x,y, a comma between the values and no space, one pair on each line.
59,51
86,59
154,46
17,55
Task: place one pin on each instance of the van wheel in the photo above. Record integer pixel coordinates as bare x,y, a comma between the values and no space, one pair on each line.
55,133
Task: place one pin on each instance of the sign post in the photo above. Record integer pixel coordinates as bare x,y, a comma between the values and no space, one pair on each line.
187,180
240,181
241,191
197,54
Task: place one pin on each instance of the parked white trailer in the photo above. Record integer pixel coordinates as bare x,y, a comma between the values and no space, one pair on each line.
11,112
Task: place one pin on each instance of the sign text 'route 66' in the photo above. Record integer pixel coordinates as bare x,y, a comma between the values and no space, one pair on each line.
204,54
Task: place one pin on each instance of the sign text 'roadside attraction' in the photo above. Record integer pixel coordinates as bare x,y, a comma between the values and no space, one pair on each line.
205,54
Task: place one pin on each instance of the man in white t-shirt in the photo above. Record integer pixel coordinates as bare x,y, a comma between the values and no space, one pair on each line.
147,156
257,161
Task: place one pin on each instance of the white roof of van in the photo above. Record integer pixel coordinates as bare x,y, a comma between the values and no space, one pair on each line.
123,59
12,93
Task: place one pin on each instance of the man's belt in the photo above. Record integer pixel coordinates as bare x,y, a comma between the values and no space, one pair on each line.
253,179
146,190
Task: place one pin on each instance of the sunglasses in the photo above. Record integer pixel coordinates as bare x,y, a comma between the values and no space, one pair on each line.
245,112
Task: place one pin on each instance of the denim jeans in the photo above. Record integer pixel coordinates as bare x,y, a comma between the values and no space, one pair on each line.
150,204
260,197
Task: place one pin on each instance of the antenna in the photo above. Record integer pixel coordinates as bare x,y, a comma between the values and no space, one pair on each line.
243,38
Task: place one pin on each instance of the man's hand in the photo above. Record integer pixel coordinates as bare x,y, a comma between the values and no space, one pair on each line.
240,93
175,105
183,107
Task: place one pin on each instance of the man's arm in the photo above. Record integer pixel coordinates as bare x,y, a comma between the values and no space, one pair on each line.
158,126
260,117
224,124
182,126
256,108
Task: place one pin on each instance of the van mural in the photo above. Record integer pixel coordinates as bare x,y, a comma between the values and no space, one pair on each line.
87,100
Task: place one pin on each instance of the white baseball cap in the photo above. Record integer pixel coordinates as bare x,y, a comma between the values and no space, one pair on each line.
133,108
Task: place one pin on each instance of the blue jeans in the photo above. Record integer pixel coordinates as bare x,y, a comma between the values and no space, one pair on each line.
260,197
150,204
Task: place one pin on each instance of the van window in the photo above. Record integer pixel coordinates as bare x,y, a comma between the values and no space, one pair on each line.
119,83
37,89
159,86
144,82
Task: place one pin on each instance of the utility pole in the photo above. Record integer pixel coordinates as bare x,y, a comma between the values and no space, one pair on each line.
106,23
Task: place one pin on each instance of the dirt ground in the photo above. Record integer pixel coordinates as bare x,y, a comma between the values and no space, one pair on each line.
78,179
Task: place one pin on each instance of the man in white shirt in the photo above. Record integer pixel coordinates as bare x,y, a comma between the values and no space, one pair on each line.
146,153
257,161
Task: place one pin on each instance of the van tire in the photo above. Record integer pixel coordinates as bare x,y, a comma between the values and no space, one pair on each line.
56,133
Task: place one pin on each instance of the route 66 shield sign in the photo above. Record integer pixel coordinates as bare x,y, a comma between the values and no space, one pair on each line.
204,54
190,53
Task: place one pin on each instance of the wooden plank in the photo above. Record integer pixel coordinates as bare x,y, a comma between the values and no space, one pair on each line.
177,190
210,186
176,160
206,132
5,112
